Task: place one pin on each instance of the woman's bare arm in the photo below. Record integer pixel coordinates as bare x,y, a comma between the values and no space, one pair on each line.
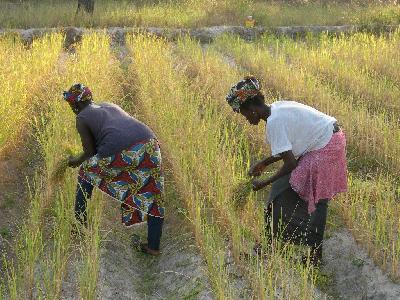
257,168
289,164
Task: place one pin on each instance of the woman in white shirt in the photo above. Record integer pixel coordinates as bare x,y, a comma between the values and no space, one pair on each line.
312,148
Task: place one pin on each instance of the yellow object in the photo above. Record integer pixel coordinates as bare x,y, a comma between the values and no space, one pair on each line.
250,22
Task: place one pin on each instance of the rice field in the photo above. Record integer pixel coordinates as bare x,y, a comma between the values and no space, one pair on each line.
179,90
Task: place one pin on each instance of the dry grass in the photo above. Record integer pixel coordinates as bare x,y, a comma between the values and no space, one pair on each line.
190,13
23,78
347,76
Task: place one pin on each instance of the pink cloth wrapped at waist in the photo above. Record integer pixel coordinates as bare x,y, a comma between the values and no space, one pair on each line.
321,174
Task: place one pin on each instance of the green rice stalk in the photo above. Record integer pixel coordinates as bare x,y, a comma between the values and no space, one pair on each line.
241,192
61,167
59,171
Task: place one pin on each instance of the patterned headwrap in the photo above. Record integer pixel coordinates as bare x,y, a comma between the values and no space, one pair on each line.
77,93
243,91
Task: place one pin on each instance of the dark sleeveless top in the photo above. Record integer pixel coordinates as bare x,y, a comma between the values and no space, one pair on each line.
112,128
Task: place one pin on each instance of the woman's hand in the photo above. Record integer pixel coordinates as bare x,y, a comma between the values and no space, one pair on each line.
257,168
259,184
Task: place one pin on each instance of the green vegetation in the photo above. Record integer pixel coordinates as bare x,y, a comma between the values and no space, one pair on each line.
194,13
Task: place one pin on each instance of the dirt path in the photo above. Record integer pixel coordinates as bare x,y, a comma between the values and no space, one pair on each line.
350,272
125,273
12,197
179,273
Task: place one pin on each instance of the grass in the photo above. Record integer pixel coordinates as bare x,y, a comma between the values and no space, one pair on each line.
191,13
378,94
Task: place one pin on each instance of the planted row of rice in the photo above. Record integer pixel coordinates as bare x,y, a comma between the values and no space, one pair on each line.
378,94
377,55
24,75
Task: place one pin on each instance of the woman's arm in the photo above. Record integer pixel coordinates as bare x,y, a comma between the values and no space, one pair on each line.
88,144
257,168
289,164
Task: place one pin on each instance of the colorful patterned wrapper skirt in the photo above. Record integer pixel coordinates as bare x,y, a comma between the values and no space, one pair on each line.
133,177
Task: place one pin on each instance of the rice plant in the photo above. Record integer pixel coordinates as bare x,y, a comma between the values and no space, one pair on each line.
378,94
24,74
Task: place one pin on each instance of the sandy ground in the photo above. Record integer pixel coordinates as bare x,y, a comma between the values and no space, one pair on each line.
15,168
125,273
10,200
179,273
352,273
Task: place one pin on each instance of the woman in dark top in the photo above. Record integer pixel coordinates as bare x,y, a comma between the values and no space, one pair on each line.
313,150
121,157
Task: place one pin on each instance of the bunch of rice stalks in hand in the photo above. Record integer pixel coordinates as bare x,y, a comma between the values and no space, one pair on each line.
59,170
241,192
61,167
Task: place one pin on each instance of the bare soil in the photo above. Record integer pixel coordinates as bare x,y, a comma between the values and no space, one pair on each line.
351,273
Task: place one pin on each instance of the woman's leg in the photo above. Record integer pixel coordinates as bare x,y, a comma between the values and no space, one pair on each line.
290,217
316,230
83,192
154,232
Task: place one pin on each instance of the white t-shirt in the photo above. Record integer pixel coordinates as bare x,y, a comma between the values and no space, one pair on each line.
297,127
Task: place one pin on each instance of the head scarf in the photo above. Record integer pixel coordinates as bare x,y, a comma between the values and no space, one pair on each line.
77,93
243,91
